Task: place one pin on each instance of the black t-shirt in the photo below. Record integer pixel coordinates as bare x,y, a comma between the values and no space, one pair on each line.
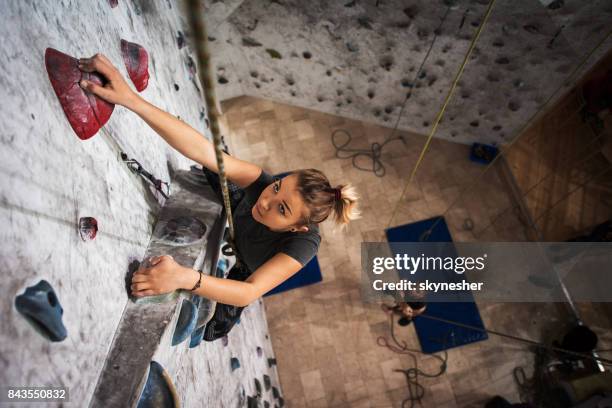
256,243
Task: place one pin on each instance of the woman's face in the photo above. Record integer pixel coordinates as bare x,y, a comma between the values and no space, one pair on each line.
280,206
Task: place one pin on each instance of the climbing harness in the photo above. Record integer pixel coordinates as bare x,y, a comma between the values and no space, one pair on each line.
161,186
200,40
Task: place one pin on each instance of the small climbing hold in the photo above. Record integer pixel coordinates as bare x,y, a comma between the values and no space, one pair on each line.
225,341
531,28
267,382
250,42
328,73
497,128
307,55
352,47
376,112
403,24
491,77
254,74
474,123
257,85
252,402
426,124
320,98
266,404
502,60
136,61
180,39
388,109
351,3
273,53
557,4
258,387
340,92
88,228
370,94
349,101
293,93
386,62
411,12
406,83
275,392
432,80
518,83
259,351
211,38
234,363
41,308
113,3
222,80
290,81
271,362
465,94
498,43
365,22
514,106
176,87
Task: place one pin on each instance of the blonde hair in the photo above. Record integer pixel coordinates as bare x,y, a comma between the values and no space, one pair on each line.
322,199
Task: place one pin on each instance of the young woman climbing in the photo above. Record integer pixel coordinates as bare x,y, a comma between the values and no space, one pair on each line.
275,222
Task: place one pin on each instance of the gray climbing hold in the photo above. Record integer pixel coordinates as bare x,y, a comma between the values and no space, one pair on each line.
182,230
502,60
41,308
234,363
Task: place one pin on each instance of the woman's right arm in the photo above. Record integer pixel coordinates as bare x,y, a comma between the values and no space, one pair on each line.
175,132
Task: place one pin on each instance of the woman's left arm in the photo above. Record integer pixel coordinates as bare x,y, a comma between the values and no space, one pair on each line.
166,275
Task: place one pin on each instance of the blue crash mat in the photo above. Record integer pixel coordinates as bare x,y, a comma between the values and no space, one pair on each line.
436,336
309,274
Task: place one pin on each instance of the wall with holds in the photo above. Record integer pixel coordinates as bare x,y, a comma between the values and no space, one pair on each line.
360,59
50,178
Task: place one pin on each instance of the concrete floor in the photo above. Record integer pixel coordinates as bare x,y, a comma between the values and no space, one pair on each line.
324,337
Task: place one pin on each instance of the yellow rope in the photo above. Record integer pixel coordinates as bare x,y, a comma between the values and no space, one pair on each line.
198,28
451,91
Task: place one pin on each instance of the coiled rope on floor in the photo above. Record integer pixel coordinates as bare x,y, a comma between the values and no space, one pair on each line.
198,28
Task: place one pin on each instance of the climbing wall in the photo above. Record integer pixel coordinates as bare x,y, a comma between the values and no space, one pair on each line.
359,59
49,178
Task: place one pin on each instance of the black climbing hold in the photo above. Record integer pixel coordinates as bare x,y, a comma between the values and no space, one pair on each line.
388,109
290,81
351,3
497,128
338,104
474,123
257,85
293,93
271,362
518,83
422,74
328,73
491,77
267,382
377,112
254,74
176,87
250,42
465,94
340,92
273,53
406,83
502,60
475,23
422,33
266,404
182,230
158,390
210,38
281,402
349,101
252,402
531,28
498,43
370,94
275,392
446,48
257,387
180,40
557,4
514,106
234,363
365,22
411,12
41,308
88,228
186,322
320,98
222,80
307,55
259,351
403,24
425,124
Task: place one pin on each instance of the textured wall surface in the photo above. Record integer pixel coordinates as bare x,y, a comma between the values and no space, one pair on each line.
49,178
359,58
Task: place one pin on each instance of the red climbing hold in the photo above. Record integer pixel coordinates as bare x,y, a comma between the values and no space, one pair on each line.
137,63
86,112
88,228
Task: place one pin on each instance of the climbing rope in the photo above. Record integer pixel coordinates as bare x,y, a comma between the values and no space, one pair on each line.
450,94
198,28
375,151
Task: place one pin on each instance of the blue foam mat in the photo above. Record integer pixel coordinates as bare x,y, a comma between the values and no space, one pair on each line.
309,274
435,336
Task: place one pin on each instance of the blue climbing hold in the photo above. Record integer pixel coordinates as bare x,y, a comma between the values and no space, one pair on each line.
186,322
159,390
196,337
234,363
41,308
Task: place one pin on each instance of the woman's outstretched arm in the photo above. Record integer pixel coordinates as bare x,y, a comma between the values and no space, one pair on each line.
175,132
